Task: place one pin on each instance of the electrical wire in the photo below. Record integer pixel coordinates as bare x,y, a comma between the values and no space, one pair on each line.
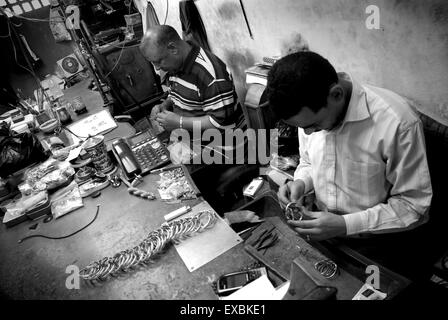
15,51
66,236
122,49
116,63
26,18
117,46
129,5
36,78
166,13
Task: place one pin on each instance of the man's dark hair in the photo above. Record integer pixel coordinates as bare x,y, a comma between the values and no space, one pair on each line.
297,80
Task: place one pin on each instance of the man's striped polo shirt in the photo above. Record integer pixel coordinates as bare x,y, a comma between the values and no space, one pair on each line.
204,86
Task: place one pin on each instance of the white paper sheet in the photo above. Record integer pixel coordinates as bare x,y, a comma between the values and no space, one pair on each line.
206,246
97,123
259,289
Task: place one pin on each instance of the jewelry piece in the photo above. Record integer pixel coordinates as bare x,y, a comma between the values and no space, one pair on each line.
293,211
144,253
181,120
327,268
142,193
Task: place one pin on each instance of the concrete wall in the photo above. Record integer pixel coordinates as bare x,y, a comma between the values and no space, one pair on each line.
408,54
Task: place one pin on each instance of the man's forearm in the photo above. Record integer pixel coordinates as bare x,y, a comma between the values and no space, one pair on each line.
202,123
398,213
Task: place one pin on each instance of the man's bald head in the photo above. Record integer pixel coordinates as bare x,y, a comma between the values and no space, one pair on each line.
162,46
160,35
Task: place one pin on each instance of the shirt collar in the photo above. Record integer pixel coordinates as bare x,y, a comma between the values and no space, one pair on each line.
357,109
190,59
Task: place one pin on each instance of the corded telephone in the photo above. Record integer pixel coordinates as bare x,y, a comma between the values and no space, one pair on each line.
140,153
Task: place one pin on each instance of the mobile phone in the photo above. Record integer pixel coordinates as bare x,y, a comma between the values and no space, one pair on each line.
253,187
231,282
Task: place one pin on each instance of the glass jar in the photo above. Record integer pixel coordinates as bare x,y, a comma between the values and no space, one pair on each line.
63,114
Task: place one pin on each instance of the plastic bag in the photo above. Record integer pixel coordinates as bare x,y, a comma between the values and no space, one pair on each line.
16,209
284,163
173,185
49,175
18,151
66,200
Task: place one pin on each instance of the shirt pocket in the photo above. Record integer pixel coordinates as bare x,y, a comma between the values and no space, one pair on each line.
364,180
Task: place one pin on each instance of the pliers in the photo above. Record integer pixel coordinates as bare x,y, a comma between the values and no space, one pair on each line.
265,240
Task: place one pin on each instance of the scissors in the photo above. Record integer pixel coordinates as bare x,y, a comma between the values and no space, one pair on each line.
265,240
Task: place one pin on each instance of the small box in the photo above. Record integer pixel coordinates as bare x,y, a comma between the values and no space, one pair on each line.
12,218
17,117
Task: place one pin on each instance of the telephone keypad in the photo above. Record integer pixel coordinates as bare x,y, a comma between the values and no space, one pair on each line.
150,154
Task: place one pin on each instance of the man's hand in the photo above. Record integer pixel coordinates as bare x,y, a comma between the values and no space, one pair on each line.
154,112
166,105
322,226
291,191
169,120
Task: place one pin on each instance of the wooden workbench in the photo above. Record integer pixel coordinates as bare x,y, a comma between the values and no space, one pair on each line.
36,268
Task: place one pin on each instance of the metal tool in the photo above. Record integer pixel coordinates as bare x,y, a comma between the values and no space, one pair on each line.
267,239
256,255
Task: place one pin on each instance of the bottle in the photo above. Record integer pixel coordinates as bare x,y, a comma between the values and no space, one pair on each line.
48,109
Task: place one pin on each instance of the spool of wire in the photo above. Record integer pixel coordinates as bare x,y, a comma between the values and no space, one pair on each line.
145,252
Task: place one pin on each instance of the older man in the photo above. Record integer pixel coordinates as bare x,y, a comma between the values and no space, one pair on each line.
201,93
201,87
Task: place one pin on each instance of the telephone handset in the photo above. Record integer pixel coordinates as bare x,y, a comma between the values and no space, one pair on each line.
140,153
126,158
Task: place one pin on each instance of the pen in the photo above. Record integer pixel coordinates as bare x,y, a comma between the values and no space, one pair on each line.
162,169
177,213
157,170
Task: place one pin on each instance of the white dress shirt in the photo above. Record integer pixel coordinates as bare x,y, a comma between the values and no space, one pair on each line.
373,167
